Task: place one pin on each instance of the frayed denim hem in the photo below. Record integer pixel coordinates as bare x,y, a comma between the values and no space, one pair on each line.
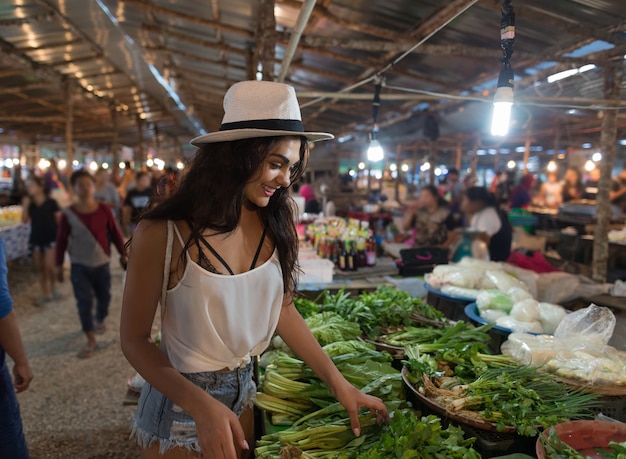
146,440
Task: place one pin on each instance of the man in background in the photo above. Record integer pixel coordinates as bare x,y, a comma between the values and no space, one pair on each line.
136,201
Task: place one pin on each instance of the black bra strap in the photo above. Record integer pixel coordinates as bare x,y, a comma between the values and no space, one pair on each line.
217,255
258,250
223,262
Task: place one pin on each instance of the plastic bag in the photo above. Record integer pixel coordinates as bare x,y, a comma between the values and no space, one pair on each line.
460,291
550,316
578,350
453,275
525,311
492,315
519,326
494,299
504,282
593,324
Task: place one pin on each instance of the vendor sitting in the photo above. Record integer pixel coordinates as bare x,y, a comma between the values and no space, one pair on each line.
486,218
425,218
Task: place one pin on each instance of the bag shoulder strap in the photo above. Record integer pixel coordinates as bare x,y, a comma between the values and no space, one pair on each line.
166,265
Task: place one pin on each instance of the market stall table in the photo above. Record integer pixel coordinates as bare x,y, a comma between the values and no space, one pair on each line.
15,239
617,256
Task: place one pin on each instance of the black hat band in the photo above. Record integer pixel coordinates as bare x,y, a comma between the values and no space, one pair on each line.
270,125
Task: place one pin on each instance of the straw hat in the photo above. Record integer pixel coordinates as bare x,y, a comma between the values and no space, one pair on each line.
260,109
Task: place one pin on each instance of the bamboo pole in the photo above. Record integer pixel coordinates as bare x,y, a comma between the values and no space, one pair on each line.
612,84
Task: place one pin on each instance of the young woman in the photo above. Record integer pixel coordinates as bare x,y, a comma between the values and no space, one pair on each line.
220,255
551,192
43,213
489,220
572,185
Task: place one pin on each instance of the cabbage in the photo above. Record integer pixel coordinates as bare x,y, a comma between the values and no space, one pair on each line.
491,315
518,326
460,291
550,316
525,311
494,299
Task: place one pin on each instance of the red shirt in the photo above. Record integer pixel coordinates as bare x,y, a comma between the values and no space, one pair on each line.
102,225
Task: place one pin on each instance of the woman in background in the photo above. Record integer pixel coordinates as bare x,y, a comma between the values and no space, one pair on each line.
551,191
43,213
490,221
572,185
426,219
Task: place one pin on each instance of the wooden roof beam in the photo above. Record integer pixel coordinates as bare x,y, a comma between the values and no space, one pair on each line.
317,44
169,33
61,44
173,14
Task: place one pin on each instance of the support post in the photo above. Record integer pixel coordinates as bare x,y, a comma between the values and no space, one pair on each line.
140,153
69,127
266,39
612,84
459,157
115,157
526,152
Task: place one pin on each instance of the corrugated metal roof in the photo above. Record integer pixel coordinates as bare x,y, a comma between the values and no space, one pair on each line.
163,65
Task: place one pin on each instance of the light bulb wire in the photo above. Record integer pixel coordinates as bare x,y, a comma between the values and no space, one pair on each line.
375,108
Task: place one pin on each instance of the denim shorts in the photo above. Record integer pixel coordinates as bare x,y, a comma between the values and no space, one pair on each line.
158,419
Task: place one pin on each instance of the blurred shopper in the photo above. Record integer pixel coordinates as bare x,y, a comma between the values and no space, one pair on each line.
618,191
453,188
43,213
502,188
426,219
590,190
572,185
311,204
137,200
220,256
86,230
490,221
127,181
12,442
521,196
551,191
105,191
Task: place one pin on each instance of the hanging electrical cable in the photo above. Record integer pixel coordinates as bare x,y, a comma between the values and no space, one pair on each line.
375,150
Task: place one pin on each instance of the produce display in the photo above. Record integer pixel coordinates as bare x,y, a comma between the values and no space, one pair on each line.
373,311
493,389
578,350
319,427
501,298
557,449
10,215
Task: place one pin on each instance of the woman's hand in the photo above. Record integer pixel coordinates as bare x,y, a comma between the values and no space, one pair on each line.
220,434
353,400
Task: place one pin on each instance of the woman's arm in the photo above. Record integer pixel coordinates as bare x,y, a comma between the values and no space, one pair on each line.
218,428
25,208
297,335
11,342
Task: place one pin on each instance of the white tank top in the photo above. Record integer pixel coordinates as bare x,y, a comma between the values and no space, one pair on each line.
214,321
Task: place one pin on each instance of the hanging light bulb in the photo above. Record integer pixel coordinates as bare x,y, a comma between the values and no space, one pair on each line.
502,103
551,167
375,151
503,99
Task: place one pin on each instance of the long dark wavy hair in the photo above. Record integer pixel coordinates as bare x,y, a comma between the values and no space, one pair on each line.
211,196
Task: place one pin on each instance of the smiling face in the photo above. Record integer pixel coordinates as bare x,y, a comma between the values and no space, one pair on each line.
275,172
